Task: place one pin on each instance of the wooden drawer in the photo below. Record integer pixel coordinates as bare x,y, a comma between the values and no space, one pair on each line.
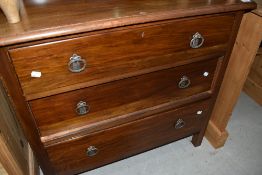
118,53
57,115
127,140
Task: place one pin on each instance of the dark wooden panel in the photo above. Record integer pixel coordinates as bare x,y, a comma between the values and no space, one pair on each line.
121,97
70,17
22,112
114,55
126,140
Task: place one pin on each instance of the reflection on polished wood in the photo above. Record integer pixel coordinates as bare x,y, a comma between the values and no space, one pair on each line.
137,53
51,18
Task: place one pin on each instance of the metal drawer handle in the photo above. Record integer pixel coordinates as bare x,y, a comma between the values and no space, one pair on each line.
197,41
180,123
82,108
76,64
91,151
184,82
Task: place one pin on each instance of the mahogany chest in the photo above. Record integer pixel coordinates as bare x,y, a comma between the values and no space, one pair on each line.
94,82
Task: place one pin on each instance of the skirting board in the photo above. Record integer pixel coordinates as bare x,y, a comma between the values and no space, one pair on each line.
215,137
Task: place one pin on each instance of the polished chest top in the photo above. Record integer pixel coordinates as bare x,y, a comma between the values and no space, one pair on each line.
115,78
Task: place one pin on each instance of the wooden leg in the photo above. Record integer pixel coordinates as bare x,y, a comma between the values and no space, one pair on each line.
244,51
197,140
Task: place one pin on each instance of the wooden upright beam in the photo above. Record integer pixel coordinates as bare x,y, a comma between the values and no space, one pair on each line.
244,51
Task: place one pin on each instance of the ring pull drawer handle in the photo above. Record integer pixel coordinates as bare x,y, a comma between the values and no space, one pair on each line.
180,123
91,151
184,82
76,64
82,108
197,41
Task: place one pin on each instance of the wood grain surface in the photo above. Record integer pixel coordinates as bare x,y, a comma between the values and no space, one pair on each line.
126,140
22,111
243,54
12,137
120,98
70,17
11,10
253,84
59,25
117,54
258,11
2,170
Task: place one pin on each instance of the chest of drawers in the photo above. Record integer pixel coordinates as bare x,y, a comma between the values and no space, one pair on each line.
111,79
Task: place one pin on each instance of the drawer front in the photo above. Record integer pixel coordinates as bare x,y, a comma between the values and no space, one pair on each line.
126,140
116,54
62,112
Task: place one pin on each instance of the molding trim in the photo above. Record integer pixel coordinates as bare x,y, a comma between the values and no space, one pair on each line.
215,137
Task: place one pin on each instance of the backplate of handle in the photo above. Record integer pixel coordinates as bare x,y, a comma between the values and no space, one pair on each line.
197,41
91,151
76,64
184,82
180,123
82,108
